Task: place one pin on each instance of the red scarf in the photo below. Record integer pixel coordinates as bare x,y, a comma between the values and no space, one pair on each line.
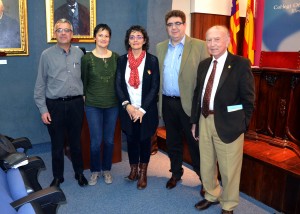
134,79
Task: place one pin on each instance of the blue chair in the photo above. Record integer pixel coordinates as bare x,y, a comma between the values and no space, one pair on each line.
11,158
15,199
20,191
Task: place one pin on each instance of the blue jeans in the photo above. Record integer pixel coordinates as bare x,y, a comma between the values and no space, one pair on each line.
102,123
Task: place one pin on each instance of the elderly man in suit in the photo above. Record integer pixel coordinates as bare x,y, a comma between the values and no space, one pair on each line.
222,105
77,14
178,57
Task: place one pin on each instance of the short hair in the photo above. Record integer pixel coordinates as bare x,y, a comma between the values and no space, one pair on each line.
63,20
139,29
102,27
220,27
175,13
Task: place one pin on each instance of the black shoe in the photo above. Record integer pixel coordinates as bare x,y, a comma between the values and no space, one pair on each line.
57,182
204,204
227,212
81,179
172,182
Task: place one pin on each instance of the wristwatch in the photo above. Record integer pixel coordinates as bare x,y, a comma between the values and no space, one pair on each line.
125,104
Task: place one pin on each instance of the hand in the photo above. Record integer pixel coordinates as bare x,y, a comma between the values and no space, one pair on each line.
193,130
46,118
131,111
138,116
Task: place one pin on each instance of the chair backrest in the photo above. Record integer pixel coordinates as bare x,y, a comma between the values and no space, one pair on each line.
4,189
6,194
6,147
290,60
16,184
9,157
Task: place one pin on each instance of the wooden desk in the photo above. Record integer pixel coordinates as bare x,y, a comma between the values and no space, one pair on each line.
85,144
271,175
161,142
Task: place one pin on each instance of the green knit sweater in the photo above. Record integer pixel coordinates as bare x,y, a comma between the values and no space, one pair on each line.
98,77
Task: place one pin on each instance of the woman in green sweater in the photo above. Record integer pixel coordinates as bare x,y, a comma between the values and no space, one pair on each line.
101,105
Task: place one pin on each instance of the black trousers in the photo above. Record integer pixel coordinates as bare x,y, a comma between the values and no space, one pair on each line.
139,151
177,124
67,117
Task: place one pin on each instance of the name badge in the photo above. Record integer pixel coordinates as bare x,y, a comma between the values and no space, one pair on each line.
234,108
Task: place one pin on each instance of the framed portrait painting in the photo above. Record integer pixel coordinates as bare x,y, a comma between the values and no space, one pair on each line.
81,13
13,28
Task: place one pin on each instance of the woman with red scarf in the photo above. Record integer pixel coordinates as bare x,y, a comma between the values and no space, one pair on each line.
137,85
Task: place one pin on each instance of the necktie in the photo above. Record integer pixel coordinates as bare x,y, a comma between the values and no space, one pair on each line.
207,94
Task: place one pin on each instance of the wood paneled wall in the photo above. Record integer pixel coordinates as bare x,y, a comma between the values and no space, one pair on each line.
200,23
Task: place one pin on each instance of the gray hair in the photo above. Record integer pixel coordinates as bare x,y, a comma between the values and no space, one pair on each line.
63,20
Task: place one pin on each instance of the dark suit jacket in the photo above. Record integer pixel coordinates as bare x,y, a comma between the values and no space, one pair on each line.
84,17
150,89
236,86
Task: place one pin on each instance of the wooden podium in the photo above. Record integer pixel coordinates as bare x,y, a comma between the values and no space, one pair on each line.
85,144
271,164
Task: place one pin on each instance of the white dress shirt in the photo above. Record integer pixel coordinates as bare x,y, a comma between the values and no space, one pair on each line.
219,69
135,94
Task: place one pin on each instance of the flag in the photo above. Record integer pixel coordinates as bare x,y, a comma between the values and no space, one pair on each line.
249,38
234,26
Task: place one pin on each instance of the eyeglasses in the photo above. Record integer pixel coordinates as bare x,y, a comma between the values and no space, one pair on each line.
176,24
60,30
136,37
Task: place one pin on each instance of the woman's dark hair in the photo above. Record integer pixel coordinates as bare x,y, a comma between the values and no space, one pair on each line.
138,28
102,27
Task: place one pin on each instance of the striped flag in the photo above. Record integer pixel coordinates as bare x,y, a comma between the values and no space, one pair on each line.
249,39
234,26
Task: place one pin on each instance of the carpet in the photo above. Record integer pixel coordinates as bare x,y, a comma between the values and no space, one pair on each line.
123,197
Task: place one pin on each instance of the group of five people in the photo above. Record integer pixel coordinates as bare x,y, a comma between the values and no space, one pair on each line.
211,112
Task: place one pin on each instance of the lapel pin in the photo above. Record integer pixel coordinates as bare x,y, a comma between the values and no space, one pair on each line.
229,66
149,72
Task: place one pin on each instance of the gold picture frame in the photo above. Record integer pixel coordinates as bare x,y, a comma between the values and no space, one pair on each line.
14,28
56,9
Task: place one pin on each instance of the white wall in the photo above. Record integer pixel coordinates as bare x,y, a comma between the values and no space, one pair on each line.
220,7
185,6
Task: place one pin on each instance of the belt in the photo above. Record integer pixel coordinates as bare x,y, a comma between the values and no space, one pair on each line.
172,97
68,98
